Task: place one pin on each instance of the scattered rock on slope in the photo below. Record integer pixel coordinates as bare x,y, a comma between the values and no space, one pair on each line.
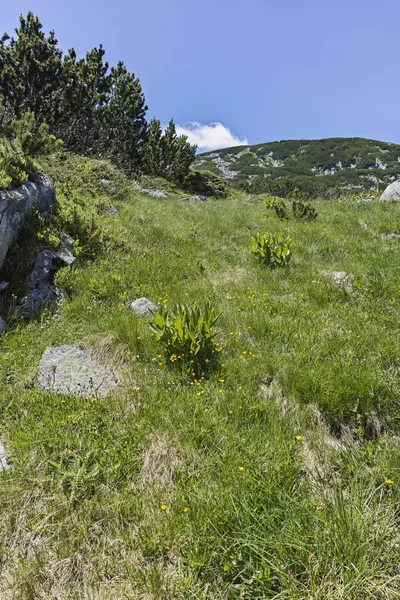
3,460
70,370
195,199
392,192
15,206
142,306
42,291
154,193
341,279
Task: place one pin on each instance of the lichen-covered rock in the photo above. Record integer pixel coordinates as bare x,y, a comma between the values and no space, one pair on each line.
391,193
16,204
70,370
142,306
154,193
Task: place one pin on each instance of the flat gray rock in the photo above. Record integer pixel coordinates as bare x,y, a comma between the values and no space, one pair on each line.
154,193
143,306
70,370
391,193
3,460
195,199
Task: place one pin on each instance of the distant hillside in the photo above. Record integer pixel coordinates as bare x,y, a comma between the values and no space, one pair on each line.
347,162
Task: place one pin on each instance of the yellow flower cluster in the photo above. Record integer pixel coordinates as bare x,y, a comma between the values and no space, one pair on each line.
245,355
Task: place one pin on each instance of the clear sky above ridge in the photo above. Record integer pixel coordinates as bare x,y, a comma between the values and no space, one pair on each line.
263,69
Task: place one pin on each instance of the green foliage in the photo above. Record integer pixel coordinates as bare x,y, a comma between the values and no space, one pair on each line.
186,332
300,208
22,143
273,250
166,154
271,201
251,510
206,183
281,210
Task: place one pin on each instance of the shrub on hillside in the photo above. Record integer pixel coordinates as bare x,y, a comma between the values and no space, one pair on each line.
21,144
206,183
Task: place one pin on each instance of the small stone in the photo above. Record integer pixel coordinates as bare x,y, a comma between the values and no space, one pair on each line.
65,251
2,325
142,306
154,193
341,279
70,370
195,199
3,460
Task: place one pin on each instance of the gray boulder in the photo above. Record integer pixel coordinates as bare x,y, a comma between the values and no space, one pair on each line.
42,291
70,370
195,199
143,306
3,459
15,206
154,193
391,193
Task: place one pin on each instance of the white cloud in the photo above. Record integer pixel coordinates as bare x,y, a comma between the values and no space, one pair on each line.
209,137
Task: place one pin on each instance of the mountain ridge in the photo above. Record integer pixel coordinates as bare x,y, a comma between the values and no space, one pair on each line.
354,162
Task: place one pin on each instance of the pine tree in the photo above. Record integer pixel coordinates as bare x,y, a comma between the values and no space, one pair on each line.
29,69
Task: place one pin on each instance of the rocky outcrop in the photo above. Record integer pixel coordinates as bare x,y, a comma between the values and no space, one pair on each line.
392,192
42,292
15,206
70,370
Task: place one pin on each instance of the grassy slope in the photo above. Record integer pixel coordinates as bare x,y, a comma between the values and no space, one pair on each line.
269,516
299,157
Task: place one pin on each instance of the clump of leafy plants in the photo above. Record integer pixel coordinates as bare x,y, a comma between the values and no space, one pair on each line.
300,209
272,250
187,334
22,141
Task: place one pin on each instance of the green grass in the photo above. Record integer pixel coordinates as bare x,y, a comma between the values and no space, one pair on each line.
270,516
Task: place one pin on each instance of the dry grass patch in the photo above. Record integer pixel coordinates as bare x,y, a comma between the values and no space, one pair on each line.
160,460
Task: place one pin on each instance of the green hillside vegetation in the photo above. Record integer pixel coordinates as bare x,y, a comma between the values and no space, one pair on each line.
354,163
250,449
275,474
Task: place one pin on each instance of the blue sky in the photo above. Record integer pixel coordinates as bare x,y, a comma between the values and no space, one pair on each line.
263,69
